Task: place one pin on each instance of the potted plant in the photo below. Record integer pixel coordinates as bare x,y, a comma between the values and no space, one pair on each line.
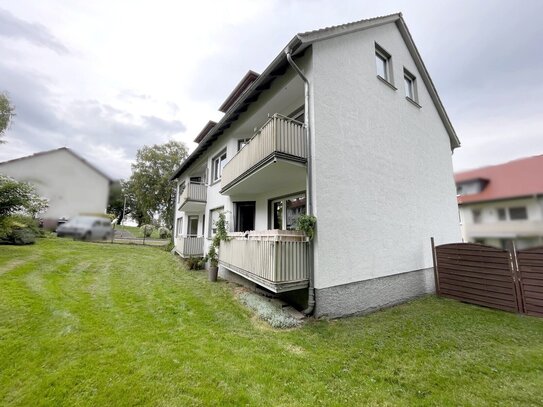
212,256
306,223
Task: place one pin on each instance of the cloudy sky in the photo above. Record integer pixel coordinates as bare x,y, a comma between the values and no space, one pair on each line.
106,77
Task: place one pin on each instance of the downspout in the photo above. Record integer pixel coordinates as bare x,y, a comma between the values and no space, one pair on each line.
309,180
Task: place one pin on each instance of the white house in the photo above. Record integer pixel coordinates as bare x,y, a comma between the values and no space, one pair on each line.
72,185
502,203
346,124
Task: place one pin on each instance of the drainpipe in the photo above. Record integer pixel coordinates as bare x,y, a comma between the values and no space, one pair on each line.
309,184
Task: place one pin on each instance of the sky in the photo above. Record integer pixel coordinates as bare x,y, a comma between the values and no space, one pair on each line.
106,77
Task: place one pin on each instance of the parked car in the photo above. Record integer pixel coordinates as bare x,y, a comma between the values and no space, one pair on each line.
86,228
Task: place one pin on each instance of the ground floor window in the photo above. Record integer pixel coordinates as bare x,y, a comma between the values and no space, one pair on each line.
213,218
285,211
179,226
192,226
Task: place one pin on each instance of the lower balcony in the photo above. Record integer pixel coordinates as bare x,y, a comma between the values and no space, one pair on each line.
275,259
189,246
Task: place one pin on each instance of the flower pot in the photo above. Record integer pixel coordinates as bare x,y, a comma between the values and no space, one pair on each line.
213,271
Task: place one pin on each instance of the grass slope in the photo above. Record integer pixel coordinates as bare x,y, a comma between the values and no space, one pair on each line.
96,324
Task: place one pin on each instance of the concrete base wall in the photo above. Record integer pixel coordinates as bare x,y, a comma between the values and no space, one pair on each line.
370,295
226,274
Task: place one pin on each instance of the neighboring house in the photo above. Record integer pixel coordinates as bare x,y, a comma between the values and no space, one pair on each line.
503,202
365,145
72,185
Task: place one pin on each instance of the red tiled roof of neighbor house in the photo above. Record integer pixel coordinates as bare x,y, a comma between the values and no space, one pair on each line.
523,177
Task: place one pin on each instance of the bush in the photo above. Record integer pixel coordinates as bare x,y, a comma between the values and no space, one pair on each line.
147,230
195,263
18,229
163,232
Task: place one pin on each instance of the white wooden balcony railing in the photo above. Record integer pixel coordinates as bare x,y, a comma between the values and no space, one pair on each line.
194,192
275,259
188,246
280,135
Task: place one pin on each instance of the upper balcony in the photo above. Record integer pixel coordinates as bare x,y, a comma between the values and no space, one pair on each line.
193,198
276,154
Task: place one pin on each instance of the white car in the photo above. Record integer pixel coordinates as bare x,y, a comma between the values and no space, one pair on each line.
86,228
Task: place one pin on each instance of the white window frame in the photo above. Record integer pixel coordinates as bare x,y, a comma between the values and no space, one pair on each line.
283,201
410,85
382,56
210,231
179,226
242,142
217,165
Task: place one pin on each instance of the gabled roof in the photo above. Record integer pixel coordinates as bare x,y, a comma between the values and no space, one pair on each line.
210,124
95,169
241,87
514,179
298,44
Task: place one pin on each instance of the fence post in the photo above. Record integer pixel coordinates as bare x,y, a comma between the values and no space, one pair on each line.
113,232
515,274
436,271
144,233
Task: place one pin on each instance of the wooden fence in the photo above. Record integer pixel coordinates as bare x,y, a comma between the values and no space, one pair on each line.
509,280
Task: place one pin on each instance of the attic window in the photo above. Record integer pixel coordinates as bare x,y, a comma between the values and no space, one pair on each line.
383,62
410,83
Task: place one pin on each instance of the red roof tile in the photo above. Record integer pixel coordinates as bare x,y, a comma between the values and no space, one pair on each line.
523,177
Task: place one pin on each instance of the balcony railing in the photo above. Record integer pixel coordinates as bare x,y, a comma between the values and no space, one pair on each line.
513,228
194,192
275,259
280,135
188,246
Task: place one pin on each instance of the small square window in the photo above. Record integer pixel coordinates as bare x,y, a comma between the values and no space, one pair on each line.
243,142
410,84
501,214
383,64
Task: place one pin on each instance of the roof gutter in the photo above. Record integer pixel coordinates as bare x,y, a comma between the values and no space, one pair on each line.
309,179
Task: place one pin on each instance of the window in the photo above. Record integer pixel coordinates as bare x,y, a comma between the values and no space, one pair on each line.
245,216
179,227
501,214
218,164
285,211
181,188
477,216
243,142
213,218
192,226
410,84
383,64
518,213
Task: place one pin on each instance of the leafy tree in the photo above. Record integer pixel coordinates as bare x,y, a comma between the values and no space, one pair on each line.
19,197
6,114
115,203
149,189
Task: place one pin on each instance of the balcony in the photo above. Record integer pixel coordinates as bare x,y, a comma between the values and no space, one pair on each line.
189,246
505,229
276,153
275,259
193,198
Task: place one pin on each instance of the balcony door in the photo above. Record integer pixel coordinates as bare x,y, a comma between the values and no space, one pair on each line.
192,226
245,216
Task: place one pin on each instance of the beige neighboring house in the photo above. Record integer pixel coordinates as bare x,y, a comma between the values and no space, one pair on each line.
72,185
503,202
346,124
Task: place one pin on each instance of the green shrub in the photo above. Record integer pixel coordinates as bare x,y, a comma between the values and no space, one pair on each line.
19,229
195,263
147,230
163,232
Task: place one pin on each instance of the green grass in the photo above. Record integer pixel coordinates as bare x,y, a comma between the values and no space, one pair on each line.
137,232
92,324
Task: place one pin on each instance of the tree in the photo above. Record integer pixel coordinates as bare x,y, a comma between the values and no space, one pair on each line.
149,189
115,204
19,197
6,114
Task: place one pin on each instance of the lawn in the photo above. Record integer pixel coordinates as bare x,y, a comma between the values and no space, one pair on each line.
101,324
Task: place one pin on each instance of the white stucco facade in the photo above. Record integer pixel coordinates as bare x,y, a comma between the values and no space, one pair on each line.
383,169
71,185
